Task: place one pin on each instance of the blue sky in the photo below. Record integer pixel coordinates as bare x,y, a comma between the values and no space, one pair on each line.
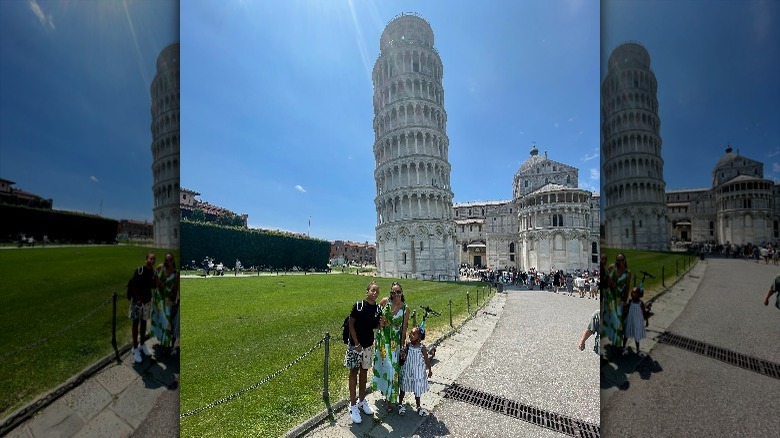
717,64
277,102
75,102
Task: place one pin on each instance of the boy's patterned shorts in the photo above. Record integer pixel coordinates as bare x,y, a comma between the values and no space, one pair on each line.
354,359
140,311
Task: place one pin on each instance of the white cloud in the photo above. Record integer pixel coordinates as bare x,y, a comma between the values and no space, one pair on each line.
595,174
590,157
36,9
775,153
93,179
775,167
556,125
299,188
571,119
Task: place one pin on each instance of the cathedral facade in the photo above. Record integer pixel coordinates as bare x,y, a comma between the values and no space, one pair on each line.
740,206
550,224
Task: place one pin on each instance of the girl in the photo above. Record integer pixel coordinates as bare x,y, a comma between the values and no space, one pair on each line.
414,378
635,321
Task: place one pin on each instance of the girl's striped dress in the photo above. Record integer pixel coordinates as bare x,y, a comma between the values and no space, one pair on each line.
415,374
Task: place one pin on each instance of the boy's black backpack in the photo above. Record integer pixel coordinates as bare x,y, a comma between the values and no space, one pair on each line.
345,326
133,281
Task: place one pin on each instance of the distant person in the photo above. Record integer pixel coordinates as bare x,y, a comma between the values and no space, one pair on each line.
774,288
162,304
363,319
415,372
144,283
634,321
390,337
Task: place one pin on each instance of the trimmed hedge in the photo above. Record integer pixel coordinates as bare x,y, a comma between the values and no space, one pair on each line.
58,225
252,247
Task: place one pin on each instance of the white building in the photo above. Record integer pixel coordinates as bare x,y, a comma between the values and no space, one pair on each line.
415,231
739,207
632,167
550,224
165,148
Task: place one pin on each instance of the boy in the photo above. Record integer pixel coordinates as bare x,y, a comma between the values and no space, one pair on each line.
363,319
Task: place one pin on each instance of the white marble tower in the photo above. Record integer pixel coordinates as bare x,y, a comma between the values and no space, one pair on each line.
165,148
634,187
415,229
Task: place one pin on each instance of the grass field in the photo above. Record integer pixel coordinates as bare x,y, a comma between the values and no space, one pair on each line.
45,290
652,262
238,331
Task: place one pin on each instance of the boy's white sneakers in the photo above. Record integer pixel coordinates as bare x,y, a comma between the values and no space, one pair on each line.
137,355
355,414
366,407
145,350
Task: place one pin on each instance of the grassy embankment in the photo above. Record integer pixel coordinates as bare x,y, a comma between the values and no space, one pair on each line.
238,331
652,262
45,290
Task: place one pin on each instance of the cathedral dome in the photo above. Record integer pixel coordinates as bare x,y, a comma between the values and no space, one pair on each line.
727,158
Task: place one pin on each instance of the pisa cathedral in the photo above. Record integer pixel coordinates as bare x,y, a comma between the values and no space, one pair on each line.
549,223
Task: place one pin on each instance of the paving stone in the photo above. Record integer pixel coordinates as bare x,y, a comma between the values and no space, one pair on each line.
134,403
106,424
115,378
88,399
57,420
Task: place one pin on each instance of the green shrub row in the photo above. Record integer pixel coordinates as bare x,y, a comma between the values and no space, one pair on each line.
60,226
260,248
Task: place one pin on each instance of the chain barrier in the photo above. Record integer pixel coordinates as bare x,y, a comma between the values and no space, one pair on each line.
61,331
254,386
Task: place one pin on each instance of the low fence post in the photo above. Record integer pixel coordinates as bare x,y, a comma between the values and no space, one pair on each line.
113,331
477,298
451,314
325,394
663,276
468,303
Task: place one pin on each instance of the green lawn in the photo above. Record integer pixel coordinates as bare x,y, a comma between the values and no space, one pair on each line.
652,262
237,331
45,290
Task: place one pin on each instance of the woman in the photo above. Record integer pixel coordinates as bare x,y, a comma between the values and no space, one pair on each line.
390,337
164,298
616,295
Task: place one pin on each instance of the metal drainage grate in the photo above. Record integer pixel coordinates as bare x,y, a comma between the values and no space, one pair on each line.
550,420
751,363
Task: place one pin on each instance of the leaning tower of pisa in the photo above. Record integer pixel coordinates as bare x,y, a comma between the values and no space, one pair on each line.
415,229
633,178
165,148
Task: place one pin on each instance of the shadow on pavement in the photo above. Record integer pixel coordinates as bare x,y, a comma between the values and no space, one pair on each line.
160,370
432,427
615,372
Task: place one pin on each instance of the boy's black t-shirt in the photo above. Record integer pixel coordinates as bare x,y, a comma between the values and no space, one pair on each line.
365,322
144,281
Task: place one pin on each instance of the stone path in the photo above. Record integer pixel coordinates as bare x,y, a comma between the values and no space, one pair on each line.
121,400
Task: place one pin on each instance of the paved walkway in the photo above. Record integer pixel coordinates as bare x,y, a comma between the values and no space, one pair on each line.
719,303
666,308
121,400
